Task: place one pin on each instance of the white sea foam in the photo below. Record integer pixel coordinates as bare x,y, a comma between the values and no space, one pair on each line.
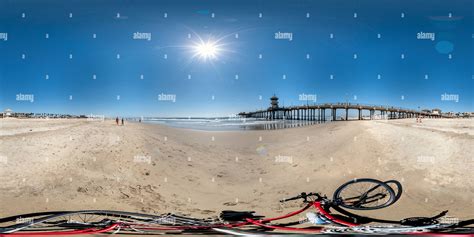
226,123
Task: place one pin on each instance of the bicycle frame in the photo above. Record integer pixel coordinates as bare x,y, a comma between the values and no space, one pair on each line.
316,204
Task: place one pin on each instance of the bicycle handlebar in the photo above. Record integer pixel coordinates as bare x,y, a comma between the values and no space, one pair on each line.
303,195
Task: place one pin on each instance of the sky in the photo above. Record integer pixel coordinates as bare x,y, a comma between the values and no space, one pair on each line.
81,57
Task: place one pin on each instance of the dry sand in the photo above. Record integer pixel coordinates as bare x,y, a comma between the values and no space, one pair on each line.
79,164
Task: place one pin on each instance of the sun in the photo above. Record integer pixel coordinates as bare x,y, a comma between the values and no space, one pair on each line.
209,48
206,50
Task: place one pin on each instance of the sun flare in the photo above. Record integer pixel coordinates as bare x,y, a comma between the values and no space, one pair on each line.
206,50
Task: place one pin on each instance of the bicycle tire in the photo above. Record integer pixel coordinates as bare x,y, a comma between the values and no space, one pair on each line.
398,192
337,198
50,221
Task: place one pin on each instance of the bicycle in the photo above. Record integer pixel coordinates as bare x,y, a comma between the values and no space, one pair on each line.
357,194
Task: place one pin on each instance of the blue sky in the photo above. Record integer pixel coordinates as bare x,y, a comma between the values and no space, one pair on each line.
213,89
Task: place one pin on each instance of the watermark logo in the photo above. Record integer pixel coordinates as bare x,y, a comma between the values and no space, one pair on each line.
3,36
450,97
449,220
142,159
425,159
166,220
167,97
25,97
3,159
21,220
95,117
284,36
307,97
142,36
284,159
425,36
114,139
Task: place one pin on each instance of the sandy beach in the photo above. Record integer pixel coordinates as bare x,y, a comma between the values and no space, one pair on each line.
80,164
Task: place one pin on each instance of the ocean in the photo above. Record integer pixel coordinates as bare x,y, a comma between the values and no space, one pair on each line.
226,124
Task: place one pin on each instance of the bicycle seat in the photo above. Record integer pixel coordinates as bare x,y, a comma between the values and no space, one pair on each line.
238,215
421,221
418,221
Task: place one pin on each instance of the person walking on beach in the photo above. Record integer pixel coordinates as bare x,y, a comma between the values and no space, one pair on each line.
122,121
418,119
117,120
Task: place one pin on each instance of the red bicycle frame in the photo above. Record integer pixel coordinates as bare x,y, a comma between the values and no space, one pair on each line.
264,222
316,204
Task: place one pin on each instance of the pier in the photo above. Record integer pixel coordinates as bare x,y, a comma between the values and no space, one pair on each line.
328,111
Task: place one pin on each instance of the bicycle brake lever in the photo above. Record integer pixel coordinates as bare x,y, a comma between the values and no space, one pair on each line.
302,195
290,199
443,213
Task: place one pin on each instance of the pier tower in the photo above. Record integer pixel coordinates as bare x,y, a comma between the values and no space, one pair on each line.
274,102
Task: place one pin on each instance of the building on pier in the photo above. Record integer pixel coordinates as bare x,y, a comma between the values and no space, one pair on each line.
274,102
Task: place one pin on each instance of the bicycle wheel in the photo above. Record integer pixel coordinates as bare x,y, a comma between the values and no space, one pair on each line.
364,194
100,221
397,189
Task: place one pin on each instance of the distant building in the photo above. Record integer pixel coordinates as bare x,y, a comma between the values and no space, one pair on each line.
7,113
449,114
436,111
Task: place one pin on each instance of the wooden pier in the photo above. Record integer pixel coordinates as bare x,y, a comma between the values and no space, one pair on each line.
328,111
